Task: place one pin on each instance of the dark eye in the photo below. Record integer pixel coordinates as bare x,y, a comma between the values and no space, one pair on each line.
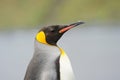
53,30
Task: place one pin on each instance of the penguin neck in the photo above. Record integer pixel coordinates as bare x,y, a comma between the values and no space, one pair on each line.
38,44
46,48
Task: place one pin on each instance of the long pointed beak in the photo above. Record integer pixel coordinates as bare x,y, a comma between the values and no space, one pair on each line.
66,28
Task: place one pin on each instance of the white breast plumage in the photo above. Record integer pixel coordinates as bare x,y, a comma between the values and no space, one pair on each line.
66,72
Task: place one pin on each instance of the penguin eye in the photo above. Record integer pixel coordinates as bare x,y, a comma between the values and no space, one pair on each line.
53,30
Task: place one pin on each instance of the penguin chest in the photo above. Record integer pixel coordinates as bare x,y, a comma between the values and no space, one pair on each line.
66,72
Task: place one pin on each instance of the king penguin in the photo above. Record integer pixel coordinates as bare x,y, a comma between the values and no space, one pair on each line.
49,61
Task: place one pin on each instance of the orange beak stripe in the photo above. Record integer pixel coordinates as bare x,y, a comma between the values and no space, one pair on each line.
65,29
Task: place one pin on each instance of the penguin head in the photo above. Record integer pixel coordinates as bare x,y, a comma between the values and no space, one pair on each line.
51,34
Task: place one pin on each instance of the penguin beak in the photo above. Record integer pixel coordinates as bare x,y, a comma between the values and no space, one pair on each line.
66,28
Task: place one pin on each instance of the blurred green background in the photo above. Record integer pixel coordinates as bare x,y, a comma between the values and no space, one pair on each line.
30,13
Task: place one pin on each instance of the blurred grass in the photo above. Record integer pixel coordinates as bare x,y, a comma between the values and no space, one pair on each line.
30,13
